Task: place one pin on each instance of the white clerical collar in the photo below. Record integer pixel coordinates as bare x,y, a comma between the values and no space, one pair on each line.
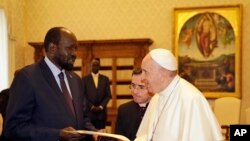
143,104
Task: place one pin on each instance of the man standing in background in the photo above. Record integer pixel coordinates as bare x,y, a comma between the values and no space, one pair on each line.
131,113
97,92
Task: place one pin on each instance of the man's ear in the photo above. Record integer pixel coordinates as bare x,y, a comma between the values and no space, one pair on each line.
52,48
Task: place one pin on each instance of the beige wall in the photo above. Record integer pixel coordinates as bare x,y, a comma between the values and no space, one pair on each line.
109,19
16,32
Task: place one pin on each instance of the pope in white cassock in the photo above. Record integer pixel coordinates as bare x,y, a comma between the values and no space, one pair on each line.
178,111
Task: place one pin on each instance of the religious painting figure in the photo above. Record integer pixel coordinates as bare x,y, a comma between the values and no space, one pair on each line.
206,34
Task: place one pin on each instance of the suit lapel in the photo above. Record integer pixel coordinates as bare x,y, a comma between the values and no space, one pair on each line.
49,77
99,81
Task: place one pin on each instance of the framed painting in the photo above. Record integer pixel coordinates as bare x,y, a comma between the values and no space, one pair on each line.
207,44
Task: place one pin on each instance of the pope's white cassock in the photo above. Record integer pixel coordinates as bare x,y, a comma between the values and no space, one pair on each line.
179,113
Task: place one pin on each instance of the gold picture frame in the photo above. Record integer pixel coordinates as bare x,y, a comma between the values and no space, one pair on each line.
207,44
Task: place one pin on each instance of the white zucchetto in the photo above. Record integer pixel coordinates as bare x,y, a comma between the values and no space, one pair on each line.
164,58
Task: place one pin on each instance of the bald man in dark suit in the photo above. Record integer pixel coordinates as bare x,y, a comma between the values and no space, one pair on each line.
42,106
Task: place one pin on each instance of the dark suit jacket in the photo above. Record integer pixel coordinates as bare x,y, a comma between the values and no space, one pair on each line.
37,108
97,96
128,120
4,97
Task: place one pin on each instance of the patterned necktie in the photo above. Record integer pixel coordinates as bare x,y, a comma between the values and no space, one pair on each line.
66,93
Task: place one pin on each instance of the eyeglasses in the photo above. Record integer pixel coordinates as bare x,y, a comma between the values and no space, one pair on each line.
138,87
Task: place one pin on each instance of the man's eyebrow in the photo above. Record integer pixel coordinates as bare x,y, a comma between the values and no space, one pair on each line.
140,85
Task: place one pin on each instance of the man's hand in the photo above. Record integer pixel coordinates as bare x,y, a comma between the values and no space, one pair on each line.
69,134
96,138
